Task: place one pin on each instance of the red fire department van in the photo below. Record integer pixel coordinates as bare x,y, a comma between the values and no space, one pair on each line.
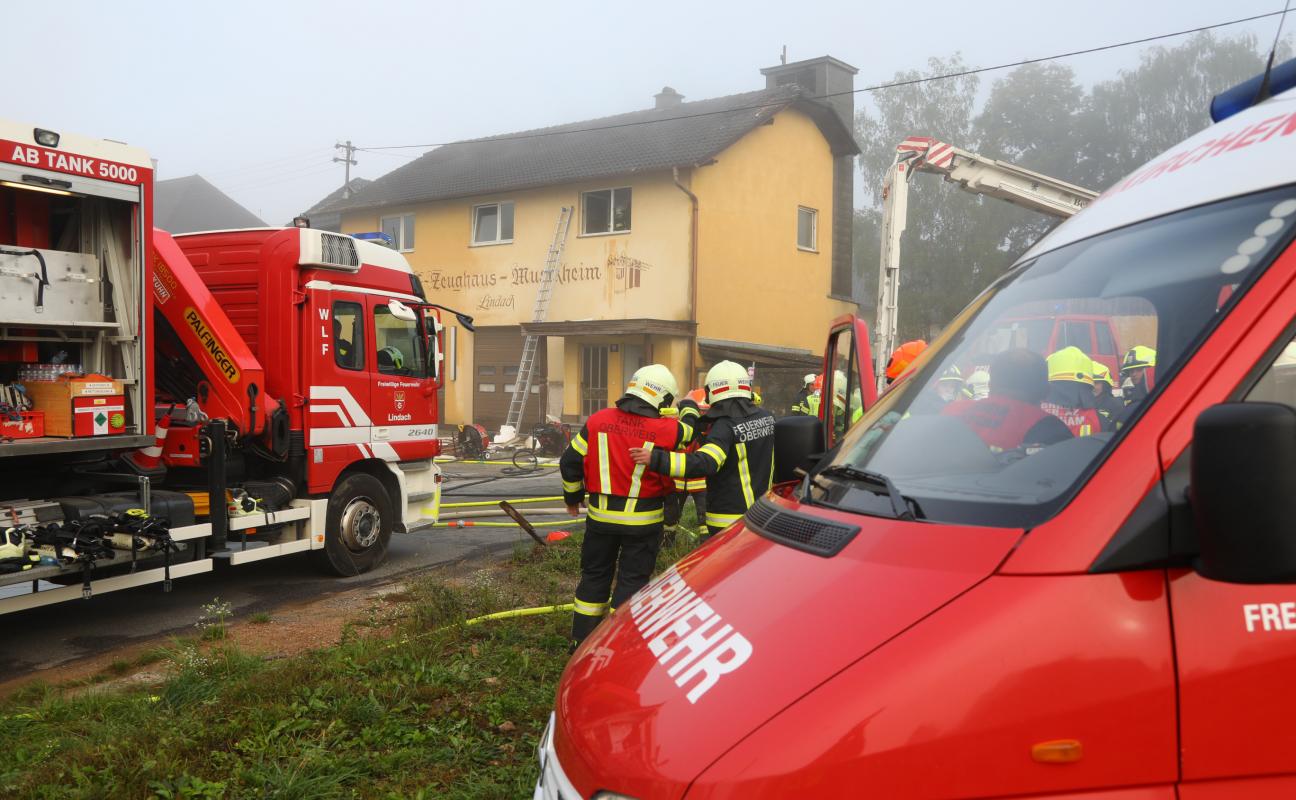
1112,616
170,404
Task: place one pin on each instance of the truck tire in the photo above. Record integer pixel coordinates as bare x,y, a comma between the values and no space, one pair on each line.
358,526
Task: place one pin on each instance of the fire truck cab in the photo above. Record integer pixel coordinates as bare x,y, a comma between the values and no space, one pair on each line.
952,605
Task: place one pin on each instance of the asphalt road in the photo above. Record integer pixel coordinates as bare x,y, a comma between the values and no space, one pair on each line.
56,634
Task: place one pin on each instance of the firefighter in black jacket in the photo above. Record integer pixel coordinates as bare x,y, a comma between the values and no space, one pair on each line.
624,504
737,452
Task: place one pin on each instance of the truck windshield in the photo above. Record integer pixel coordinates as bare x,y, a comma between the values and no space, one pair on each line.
1013,407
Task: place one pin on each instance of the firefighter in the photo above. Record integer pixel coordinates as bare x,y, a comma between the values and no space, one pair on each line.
902,357
737,451
623,503
1071,395
801,405
1109,406
1010,417
816,396
949,387
686,488
1136,377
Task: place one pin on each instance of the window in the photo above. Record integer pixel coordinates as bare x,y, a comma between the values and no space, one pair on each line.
401,229
808,229
348,335
485,387
843,386
1106,344
1278,384
1162,284
1075,334
399,345
486,370
510,371
493,223
605,211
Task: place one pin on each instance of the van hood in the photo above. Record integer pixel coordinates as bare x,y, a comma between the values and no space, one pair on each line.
739,630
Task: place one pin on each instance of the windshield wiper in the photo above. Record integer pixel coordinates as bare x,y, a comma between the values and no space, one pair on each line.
899,503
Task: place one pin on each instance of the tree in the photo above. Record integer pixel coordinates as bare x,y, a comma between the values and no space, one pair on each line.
1141,113
942,109
1037,117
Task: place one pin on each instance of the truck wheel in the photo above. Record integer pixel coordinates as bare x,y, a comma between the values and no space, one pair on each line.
358,527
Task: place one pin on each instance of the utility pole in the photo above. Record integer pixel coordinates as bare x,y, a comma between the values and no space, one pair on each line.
349,161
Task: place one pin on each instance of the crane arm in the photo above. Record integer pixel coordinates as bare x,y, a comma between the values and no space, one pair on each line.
971,172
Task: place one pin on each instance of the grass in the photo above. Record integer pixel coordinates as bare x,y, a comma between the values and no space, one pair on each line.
423,708
260,618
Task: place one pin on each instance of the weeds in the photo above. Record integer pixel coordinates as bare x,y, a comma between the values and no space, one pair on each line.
212,621
428,708
260,618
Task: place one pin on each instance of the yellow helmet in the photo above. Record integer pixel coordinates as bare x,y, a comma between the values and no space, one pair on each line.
1101,373
1070,364
654,384
1138,357
727,379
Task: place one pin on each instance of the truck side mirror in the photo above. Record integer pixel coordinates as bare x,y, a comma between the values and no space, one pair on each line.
798,442
1243,492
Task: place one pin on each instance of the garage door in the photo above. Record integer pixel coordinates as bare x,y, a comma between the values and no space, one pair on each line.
496,352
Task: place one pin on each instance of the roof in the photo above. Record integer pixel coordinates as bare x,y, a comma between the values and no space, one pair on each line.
325,205
640,141
1249,152
183,205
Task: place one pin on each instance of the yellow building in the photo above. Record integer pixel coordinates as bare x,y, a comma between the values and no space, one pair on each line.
699,231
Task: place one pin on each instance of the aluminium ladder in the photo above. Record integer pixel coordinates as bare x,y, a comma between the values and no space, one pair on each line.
548,279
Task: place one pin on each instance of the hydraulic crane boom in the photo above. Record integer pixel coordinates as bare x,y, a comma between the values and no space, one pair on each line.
972,173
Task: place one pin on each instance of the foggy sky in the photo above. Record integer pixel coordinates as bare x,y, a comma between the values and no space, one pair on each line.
253,95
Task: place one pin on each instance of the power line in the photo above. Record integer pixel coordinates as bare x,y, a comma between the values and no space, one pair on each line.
874,88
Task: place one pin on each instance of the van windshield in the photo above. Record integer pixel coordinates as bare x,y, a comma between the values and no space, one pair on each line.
1023,394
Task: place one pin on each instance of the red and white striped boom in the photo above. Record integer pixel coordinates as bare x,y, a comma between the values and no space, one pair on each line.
973,173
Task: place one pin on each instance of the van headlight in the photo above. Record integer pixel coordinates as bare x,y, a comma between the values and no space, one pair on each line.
612,796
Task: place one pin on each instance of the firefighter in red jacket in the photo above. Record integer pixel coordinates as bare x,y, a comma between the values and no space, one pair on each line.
624,502
1011,418
737,453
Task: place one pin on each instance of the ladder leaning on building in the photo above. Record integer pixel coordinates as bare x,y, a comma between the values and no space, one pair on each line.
548,279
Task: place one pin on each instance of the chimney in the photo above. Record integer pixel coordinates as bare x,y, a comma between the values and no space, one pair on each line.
668,98
831,82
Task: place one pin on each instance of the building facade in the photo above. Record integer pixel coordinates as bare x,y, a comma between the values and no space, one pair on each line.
698,231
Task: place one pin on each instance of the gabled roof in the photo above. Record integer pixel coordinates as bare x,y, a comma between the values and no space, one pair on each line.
184,205
325,205
640,141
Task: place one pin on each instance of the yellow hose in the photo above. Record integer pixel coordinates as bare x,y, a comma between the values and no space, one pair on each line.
521,612
450,460
472,523
497,502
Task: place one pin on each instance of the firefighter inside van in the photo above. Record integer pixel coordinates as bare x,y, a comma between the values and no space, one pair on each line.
1013,456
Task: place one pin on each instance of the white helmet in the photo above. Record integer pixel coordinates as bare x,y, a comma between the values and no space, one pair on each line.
727,379
839,388
808,379
978,385
653,384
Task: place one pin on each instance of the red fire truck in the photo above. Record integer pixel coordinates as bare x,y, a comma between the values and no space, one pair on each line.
171,403
921,614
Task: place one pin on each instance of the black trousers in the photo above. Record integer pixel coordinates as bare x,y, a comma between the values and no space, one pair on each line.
624,554
675,506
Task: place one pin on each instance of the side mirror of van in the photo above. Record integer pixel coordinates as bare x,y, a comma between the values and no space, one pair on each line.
798,442
1243,492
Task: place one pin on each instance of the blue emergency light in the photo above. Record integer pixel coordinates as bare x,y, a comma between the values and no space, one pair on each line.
377,237
1244,95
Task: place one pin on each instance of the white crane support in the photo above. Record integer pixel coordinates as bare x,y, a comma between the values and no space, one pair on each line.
973,173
